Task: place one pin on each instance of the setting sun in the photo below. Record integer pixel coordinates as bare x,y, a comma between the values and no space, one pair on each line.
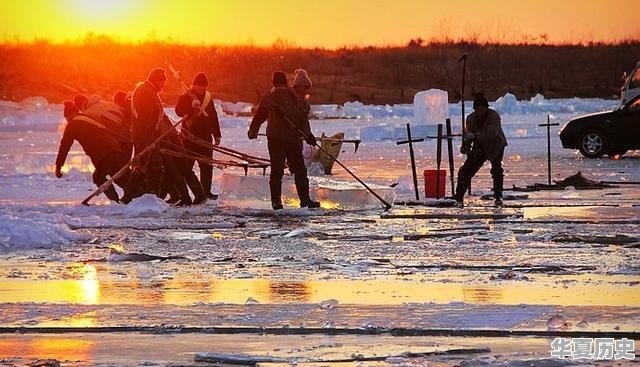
100,9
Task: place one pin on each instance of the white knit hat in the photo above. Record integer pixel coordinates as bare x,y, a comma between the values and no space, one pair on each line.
301,79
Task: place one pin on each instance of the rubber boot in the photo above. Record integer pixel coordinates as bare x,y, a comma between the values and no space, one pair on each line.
112,194
195,187
498,183
206,176
134,188
183,191
459,196
302,187
276,195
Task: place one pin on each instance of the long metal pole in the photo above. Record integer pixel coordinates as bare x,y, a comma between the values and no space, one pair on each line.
464,78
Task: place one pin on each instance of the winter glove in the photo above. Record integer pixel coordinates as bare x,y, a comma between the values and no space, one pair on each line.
58,172
311,140
464,148
252,134
468,135
217,139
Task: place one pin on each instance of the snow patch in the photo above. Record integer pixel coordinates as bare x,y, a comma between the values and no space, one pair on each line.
147,205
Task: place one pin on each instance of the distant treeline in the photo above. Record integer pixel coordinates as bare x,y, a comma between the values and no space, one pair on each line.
371,75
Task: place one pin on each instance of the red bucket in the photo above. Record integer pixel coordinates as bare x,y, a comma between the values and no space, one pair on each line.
430,183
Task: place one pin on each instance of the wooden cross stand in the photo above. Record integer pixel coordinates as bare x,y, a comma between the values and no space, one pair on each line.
548,125
413,159
449,136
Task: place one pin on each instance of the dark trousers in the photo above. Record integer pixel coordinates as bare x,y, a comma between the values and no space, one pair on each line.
475,160
178,177
206,170
109,166
147,174
149,164
291,151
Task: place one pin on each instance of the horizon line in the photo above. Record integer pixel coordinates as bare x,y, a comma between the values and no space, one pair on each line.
92,38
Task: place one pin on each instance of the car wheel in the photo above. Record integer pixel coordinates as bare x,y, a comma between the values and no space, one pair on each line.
593,144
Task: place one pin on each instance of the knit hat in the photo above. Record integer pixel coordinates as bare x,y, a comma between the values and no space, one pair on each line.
80,100
479,100
279,79
302,79
157,75
70,110
200,79
120,97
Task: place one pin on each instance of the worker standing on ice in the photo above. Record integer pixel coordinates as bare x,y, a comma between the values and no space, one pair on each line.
201,127
101,146
147,115
484,130
280,109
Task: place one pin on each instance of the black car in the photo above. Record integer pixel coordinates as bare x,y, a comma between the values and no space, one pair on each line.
611,132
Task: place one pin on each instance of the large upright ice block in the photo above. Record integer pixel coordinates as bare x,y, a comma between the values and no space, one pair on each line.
431,106
253,192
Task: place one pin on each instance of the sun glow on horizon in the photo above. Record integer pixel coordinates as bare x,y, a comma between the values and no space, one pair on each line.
329,24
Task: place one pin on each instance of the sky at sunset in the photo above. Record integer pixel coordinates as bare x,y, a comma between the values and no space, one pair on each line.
324,23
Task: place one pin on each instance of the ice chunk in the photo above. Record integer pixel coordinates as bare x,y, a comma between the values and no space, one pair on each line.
558,321
147,205
328,111
405,184
253,192
431,106
357,110
378,132
35,232
507,104
330,324
299,232
238,359
330,303
236,109
538,99
34,104
251,301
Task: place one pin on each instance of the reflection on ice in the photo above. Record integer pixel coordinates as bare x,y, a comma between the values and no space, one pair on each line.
581,212
62,348
141,288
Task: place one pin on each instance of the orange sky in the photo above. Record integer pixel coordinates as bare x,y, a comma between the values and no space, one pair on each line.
324,23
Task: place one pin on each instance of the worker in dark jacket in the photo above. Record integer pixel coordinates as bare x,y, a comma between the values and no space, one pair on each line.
203,124
147,114
102,148
484,130
285,128
111,115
